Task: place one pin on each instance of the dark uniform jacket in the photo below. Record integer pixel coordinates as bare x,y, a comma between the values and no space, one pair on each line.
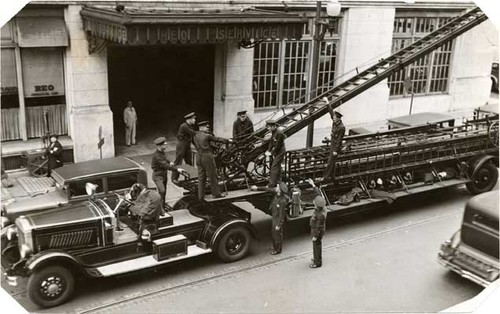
148,205
186,133
278,206
337,134
277,143
318,221
202,141
338,131
160,164
242,129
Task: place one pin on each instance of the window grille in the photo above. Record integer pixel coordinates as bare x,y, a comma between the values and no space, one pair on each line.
326,66
265,76
295,72
430,74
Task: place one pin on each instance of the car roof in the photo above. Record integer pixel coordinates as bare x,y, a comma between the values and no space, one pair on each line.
99,166
485,204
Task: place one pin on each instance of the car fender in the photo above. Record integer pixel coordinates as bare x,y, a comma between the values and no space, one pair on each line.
215,234
52,257
478,162
494,79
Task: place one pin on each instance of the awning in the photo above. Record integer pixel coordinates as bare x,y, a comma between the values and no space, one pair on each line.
42,32
134,26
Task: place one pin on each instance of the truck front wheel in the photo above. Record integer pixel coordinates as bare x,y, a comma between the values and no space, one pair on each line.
484,179
234,244
51,286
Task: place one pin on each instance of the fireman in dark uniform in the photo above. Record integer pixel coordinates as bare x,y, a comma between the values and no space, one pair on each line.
277,151
183,147
278,208
147,205
242,127
205,160
160,165
337,135
318,227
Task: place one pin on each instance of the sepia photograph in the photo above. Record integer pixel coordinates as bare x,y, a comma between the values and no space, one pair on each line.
249,156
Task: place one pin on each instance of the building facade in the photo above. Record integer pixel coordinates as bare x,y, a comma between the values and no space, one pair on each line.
69,67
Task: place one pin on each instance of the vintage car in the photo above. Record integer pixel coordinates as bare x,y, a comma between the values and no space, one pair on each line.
68,185
89,238
472,251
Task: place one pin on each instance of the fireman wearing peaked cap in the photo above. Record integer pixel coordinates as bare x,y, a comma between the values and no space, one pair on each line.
277,207
160,165
276,150
183,147
337,135
242,126
318,227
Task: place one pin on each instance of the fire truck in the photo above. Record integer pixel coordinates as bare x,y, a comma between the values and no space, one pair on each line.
420,153
93,239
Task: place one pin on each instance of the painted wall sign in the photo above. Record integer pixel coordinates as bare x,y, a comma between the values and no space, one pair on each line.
140,28
42,72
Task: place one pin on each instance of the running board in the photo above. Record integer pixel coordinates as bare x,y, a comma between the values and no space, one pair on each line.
147,262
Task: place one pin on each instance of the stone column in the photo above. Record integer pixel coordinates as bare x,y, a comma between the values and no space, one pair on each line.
87,93
232,86
366,37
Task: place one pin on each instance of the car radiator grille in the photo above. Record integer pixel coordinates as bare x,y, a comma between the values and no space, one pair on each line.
67,239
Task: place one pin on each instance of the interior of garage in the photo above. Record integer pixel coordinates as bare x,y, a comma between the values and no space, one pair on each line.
164,83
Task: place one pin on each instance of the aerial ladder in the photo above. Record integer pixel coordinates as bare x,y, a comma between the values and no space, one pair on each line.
362,160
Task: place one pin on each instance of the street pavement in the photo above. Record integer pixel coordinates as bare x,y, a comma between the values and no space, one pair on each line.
378,261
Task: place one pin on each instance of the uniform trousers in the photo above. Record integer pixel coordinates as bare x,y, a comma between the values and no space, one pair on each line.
182,152
206,167
130,134
275,171
330,168
317,249
161,185
277,236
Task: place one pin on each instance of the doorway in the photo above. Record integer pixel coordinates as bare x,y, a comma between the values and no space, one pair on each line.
164,83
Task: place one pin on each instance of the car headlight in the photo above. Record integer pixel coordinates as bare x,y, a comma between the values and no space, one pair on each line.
5,222
24,251
11,232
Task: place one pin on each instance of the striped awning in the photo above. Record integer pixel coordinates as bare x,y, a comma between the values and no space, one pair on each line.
134,26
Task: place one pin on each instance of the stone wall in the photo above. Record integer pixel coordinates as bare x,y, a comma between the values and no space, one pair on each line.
87,90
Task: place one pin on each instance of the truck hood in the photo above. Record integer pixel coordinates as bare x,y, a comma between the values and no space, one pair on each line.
35,203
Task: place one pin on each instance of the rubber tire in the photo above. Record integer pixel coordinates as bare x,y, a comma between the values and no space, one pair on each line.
487,168
42,274
229,257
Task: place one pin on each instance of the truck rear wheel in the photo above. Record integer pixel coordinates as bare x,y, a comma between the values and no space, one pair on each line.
234,244
484,180
51,286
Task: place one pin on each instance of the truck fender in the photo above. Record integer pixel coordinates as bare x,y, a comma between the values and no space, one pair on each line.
478,162
229,224
52,257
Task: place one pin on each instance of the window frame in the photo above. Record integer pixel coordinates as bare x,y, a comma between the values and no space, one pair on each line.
440,17
333,38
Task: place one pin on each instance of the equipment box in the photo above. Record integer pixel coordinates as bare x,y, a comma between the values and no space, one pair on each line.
169,247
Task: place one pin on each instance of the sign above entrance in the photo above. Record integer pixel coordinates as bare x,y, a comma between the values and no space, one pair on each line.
136,27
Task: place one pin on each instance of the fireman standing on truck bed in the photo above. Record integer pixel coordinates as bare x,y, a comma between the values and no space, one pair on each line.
183,147
205,160
242,127
337,135
160,165
276,150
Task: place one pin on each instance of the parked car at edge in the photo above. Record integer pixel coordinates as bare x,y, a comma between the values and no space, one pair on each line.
110,175
494,76
52,247
473,251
